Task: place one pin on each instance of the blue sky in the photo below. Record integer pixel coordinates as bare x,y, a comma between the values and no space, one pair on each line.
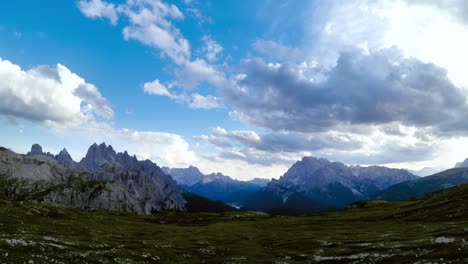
241,87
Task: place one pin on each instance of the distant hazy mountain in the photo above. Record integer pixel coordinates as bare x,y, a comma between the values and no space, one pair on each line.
185,177
426,171
259,181
463,164
215,186
313,185
423,186
103,179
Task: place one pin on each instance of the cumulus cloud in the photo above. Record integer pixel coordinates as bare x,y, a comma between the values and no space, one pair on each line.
458,8
379,88
199,101
91,94
156,88
199,71
99,9
151,23
52,95
194,100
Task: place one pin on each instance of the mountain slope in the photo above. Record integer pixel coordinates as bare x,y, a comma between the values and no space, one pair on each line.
423,186
319,184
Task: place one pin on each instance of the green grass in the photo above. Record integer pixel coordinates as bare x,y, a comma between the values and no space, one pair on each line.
373,232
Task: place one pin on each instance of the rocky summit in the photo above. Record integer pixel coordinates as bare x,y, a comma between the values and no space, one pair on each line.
315,184
104,179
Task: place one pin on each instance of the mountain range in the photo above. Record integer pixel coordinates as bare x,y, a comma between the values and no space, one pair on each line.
107,179
216,186
103,179
316,184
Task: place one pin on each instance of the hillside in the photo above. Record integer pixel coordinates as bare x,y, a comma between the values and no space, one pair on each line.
423,186
428,230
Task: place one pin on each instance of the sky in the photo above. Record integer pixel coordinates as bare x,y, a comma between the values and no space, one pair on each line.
245,88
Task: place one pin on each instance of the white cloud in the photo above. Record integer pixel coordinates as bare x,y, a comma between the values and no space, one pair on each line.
91,94
205,102
428,30
168,40
156,88
99,9
458,8
199,71
195,100
211,49
49,95
149,23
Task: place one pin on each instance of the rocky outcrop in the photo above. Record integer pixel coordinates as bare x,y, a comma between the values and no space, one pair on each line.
36,150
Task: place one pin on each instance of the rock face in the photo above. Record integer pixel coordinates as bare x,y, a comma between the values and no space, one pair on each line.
65,159
313,184
111,180
36,150
215,186
98,156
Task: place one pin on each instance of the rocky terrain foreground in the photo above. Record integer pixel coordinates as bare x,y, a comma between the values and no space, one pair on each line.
433,229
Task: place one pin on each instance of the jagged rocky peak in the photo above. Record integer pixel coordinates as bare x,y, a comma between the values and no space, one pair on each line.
64,158
98,155
36,150
308,168
63,154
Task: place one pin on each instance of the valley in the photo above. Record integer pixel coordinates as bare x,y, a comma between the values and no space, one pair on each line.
418,231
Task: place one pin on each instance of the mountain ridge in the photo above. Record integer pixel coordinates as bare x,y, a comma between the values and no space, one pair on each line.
103,179
214,186
317,183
